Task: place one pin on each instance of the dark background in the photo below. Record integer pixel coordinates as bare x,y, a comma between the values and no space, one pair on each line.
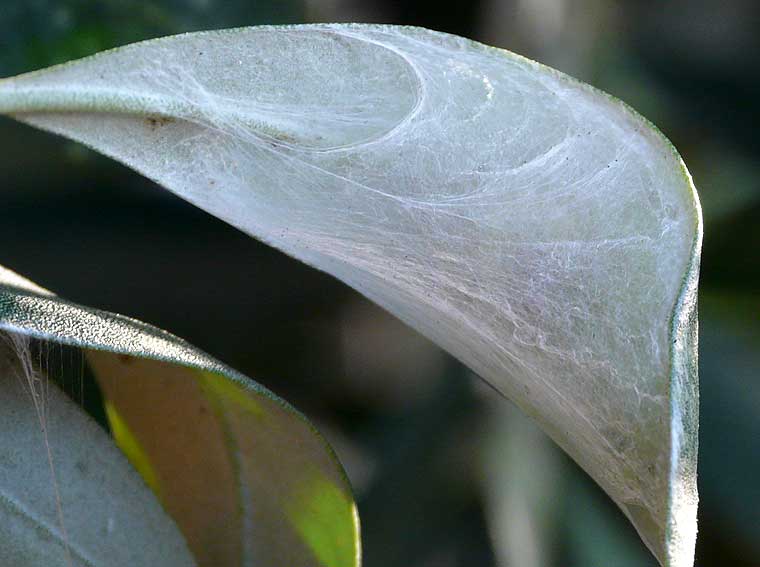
446,474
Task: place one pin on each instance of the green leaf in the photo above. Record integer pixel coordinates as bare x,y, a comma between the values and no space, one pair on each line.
536,228
729,359
86,506
246,477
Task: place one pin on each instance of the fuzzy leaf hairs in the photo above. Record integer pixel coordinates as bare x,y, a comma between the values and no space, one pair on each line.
537,229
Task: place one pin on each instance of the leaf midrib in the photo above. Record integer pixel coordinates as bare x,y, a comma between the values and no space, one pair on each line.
15,506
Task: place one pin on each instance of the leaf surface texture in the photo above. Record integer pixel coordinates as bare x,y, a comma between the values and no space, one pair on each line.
539,230
245,476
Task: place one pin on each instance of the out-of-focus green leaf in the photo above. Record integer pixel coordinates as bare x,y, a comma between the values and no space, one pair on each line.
730,465
525,486
593,532
729,189
542,507
245,476
539,230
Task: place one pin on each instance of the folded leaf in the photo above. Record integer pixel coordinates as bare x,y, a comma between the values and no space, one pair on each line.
245,476
539,230
91,509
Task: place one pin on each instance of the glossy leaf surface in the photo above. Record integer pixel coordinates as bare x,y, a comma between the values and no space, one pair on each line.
246,477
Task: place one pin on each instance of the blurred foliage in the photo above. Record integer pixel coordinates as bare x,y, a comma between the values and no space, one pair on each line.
412,426
39,33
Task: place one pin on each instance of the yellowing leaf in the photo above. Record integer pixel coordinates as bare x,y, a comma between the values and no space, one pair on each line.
225,455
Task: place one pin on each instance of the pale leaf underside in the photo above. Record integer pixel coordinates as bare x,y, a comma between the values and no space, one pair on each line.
537,229
91,507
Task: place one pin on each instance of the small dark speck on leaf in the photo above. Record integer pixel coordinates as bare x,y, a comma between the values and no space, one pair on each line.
125,358
157,121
